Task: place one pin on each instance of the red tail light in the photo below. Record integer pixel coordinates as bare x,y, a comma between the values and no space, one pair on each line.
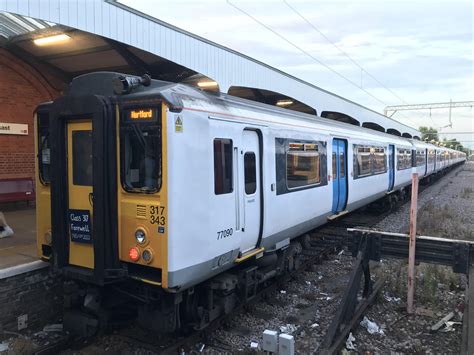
134,254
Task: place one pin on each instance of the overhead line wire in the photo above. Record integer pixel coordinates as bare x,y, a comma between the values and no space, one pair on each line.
304,51
343,52
308,54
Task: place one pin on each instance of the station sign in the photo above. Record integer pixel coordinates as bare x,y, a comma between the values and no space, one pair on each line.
14,128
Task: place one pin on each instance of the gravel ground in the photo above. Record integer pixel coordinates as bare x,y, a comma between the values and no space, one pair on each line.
307,304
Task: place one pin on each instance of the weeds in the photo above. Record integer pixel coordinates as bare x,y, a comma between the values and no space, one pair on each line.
440,221
430,282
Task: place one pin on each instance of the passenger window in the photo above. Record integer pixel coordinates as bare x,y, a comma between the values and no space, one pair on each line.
379,160
302,165
403,159
250,173
363,161
44,150
82,158
222,166
420,157
342,165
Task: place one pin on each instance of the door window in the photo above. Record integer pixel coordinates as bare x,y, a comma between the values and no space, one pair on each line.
82,158
250,173
334,166
342,165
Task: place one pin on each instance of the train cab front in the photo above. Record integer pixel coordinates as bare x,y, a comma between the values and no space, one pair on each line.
101,196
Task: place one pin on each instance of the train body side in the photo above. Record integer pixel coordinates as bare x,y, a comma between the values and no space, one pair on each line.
194,227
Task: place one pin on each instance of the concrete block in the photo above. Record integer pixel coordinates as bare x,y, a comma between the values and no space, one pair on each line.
286,344
270,341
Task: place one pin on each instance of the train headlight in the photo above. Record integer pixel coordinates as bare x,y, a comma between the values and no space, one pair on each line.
147,256
140,236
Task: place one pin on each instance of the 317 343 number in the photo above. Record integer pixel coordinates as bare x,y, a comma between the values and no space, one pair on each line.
224,233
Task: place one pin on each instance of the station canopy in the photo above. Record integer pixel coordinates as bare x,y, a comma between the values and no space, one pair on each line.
67,51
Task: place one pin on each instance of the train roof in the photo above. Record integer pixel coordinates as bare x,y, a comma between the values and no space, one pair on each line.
179,96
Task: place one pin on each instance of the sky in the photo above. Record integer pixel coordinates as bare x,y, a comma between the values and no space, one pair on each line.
417,51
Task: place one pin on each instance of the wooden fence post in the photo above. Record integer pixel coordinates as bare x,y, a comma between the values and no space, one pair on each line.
412,242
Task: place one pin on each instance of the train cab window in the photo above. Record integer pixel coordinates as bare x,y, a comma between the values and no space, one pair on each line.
44,150
223,166
302,165
250,173
82,158
141,150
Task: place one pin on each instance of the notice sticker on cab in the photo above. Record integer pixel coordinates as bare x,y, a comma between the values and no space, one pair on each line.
178,124
80,226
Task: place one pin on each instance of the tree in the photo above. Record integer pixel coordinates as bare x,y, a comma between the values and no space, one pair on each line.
429,134
453,143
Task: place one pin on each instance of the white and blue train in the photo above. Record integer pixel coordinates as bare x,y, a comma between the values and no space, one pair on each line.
190,200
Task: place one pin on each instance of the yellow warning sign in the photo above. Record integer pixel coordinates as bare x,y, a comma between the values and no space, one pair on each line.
178,124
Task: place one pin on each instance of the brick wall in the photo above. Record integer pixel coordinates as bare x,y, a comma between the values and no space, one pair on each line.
22,88
37,294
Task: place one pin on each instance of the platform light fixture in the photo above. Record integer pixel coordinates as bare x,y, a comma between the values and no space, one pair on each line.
207,84
51,40
284,103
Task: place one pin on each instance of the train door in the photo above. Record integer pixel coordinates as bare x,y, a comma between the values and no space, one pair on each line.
80,198
249,190
339,174
391,167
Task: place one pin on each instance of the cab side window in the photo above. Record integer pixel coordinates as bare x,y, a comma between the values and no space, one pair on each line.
223,166
44,152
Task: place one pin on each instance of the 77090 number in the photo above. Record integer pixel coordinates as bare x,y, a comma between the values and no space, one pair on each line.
224,233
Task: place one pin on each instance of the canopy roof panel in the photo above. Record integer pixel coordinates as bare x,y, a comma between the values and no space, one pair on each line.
107,35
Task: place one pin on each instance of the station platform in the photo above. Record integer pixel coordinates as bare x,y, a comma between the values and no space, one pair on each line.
18,252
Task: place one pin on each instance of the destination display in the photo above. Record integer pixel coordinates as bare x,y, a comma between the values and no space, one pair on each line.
148,114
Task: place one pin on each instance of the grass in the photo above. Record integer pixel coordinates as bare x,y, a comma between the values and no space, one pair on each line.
431,280
441,221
